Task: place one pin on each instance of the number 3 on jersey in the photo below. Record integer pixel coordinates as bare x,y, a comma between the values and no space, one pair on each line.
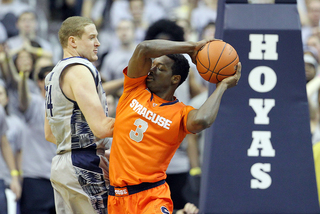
137,135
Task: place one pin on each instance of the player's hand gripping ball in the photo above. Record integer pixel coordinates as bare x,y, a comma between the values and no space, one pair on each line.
216,60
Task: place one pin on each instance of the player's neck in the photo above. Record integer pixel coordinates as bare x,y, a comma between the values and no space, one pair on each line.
168,96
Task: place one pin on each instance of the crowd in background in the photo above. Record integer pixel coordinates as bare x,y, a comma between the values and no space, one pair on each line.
29,48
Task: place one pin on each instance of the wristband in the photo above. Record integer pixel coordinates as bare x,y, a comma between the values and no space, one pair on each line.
39,52
195,171
21,74
14,172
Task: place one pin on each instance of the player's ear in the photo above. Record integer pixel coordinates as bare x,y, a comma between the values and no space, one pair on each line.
175,79
72,41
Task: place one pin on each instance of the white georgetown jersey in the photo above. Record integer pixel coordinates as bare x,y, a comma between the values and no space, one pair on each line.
67,122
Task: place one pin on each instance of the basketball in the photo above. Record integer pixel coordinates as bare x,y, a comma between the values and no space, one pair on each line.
216,61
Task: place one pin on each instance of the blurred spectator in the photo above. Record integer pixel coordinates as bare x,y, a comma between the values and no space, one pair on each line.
203,14
311,65
3,33
314,42
189,33
141,12
208,31
9,66
62,9
167,5
195,152
184,10
10,10
313,18
27,26
98,11
37,192
40,63
16,137
118,58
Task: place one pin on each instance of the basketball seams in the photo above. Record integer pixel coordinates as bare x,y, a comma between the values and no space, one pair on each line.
208,69
198,61
225,44
227,66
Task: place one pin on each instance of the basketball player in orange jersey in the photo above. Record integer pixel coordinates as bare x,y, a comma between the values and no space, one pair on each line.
151,123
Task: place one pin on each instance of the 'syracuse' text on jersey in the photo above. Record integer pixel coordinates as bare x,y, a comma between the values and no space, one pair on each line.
147,132
67,122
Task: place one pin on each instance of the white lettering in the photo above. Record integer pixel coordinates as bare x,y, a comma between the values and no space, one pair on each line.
149,115
270,79
263,179
137,107
261,107
266,43
161,121
155,120
167,124
121,192
261,140
143,111
133,102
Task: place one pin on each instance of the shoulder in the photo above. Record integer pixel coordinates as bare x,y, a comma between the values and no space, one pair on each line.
77,64
76,71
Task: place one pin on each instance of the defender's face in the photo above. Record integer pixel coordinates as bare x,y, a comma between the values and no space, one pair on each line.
87,45
159,77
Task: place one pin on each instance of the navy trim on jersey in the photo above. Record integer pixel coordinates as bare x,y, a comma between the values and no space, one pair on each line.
163,104
170,103
74,57
96,79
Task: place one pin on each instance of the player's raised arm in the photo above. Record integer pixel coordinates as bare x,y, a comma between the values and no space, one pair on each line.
141,60
202,118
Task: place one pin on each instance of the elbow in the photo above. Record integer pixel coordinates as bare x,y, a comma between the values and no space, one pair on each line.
144,48
203,123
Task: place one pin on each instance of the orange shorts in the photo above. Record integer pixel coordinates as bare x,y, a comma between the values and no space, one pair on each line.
156,200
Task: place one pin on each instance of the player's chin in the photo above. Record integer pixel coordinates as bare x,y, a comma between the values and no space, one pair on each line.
94,58
149,83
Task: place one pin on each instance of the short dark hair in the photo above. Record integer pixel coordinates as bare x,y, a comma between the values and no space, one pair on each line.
165,27
43,72
180,66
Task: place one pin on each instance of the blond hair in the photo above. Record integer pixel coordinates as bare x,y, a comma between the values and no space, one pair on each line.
72,26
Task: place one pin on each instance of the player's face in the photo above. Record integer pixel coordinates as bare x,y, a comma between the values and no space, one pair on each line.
87,45
159,77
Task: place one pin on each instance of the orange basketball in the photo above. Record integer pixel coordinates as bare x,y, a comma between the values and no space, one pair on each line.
216,61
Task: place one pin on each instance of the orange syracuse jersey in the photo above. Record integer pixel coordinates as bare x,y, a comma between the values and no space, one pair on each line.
147,132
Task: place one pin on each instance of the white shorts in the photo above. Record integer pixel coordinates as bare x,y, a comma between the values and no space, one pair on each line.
77,190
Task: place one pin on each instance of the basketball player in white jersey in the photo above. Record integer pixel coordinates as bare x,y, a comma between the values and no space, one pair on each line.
77,121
